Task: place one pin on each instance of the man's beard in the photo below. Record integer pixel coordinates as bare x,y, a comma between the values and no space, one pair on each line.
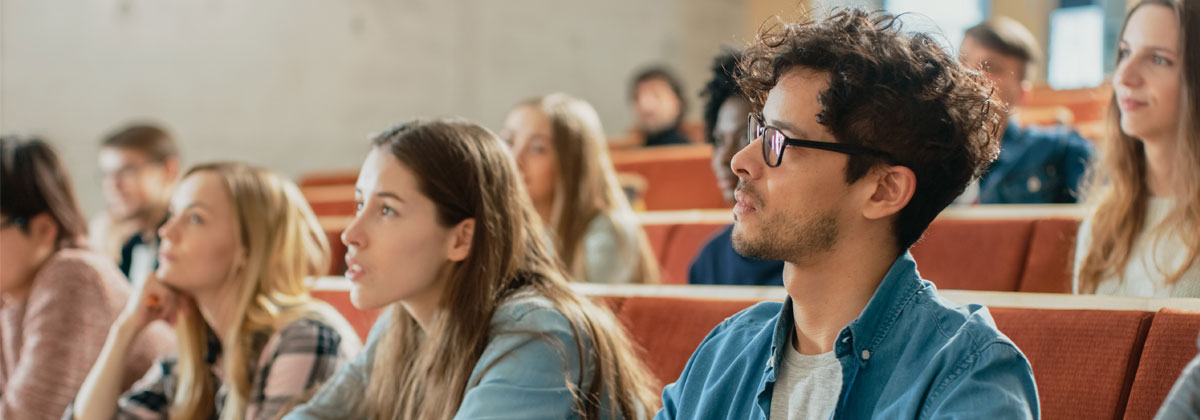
786,237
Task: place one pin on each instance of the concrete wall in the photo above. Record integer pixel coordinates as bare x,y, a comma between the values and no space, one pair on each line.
298,85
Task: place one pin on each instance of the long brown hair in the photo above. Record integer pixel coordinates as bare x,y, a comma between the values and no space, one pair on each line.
1118,189
587,187
423,373
283,245
34,181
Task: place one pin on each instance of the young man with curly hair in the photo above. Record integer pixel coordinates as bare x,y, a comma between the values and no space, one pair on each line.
864,134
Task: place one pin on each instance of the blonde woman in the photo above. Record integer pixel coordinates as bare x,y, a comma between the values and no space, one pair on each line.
1143,238
560,150
482,323
235,254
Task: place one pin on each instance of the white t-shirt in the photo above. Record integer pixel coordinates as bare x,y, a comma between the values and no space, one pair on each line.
1153,258
806,387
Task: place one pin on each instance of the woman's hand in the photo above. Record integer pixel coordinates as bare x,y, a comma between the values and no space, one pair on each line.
153,301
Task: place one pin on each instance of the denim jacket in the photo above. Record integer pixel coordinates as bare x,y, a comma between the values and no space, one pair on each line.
1037,165
909,355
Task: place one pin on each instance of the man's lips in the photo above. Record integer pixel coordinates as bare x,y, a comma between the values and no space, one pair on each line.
744,203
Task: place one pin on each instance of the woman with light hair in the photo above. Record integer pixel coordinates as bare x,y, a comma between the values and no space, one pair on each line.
236,251
559,146
1143,236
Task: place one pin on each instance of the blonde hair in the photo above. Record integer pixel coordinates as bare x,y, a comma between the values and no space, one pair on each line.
283,244
1118,189
587,186
423,373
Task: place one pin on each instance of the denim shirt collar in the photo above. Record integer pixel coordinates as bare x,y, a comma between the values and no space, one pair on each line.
864,334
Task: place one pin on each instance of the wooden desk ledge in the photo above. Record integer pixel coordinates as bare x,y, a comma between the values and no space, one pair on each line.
766,293
980,212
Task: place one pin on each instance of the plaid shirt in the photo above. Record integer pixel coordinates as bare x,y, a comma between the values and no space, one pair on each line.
294,360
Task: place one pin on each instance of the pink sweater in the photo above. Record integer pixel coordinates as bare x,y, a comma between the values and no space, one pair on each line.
50,339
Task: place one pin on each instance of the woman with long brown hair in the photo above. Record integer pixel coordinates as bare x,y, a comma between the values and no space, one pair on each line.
1143,236
481,321
560,150
234,260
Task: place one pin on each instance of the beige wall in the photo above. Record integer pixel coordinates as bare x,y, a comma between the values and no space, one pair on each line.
298,85
1035,15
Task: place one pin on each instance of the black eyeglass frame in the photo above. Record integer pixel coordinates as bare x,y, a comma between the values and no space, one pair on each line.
756,127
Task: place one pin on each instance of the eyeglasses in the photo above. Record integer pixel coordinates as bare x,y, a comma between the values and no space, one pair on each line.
774,142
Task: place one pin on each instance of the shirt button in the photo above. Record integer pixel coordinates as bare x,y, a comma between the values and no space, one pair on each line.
866,355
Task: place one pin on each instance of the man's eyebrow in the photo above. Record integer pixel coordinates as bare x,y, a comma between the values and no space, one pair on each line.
785,126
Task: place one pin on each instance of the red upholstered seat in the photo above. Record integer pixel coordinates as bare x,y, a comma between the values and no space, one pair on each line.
1051,256
333,208
1083,360
1170,344
660,238
668,330
974,254
318,179
678,177
685,243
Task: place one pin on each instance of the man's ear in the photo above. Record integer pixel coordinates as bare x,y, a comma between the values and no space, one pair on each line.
44,231
461,237
894,188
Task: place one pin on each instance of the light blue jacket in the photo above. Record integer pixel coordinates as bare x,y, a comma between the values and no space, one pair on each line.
517,376
909,355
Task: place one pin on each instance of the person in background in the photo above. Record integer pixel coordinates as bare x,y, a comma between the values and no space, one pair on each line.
1037,165
558,144
1142,236
57,298
659,108
725,122
236,255
139,164
481,322
862,133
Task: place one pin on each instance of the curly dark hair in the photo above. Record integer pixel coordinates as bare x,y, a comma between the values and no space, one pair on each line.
722,87
893,91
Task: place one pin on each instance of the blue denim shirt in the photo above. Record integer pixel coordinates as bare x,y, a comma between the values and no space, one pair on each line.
1037,165
909,355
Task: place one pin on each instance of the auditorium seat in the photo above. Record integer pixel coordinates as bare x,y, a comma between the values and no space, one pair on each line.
1083,360
686,242
667,330
677,177
327,178
974,254
1170,344
1051,256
